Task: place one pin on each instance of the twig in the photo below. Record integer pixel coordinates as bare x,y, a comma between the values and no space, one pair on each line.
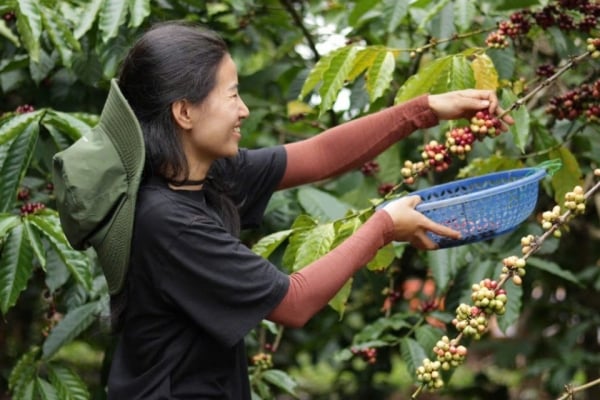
570,390
300,23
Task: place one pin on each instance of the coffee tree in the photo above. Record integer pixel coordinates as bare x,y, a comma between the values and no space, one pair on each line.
514,316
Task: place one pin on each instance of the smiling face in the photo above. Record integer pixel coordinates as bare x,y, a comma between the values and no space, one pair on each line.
213,129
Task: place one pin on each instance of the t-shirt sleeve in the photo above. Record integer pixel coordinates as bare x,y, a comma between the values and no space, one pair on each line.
258,173
218,282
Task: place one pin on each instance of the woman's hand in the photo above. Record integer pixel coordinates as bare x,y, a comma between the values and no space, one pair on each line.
411,226
465,103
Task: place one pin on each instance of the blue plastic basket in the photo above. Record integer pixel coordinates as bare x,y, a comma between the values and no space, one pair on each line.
481,207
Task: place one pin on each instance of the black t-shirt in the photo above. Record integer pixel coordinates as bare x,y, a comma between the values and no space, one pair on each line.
195,290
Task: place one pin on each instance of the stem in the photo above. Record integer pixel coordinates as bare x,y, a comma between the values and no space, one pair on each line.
278,338
572,390
572,62
287,4
417,392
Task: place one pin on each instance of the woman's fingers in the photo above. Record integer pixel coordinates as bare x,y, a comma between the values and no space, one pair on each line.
439,229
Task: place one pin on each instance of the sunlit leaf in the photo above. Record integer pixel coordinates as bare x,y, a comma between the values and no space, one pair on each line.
316,74
36,244
520,129
112,17
266,245
424,80
320,204
484,71
335,76
338,302
16,125
316,243
281,380
383,258
29,25
380,74
566,178
88,17
8,34
139,11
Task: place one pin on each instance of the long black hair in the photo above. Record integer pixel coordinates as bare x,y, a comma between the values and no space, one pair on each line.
170,62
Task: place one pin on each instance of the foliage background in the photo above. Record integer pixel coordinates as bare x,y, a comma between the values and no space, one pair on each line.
59,56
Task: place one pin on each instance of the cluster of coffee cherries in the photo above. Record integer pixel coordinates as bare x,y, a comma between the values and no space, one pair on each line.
25,108
575,200
488,297
412,169
449,353
570,15
545,70
23,194
429,374
593,46
583,100
470,320
31,208
459,141
262,360
549,218
369,354
436,156
370,168
517,25
513,266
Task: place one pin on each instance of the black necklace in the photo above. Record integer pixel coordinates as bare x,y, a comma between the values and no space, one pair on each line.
188,182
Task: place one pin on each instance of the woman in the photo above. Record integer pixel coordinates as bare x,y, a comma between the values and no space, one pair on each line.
194,290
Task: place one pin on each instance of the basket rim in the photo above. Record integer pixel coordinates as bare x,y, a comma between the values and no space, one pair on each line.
531,175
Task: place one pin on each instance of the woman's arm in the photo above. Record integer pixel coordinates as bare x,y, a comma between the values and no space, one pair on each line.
311,288
350,145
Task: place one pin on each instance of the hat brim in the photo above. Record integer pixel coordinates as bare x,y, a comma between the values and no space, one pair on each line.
114,251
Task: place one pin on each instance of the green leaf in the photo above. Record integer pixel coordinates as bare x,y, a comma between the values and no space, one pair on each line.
112,16
29,24
77,262
24,371
67,124
513,306
393,13
316,74
15,62
383,258
380,74
458,76
412,354
437,8
552,268
317,242
281,380
566,178
16,125
444,264
335,76
68,385
442,25
8,222
361,9
60,35
320,204
427,336
15,165
139,11
16,267
88,17
363,60
339,301
302,227
464,14
266,245
46,390
8,34
345,228
73,323
504,60
36,244
520,130
484,71
57,273
423,81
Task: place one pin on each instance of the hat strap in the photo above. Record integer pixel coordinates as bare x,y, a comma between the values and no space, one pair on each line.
188,182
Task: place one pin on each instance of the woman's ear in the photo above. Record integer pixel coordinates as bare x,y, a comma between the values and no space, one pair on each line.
181,111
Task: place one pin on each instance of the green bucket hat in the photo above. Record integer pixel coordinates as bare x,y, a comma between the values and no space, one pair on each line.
96,181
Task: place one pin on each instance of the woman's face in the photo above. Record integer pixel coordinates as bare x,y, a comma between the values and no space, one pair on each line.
215,123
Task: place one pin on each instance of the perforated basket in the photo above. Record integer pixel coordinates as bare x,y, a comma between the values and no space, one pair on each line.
482,207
